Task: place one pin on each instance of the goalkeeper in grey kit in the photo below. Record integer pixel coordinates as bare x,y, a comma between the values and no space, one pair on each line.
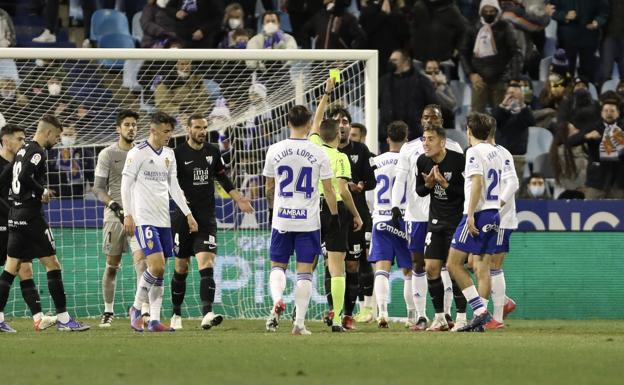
107,187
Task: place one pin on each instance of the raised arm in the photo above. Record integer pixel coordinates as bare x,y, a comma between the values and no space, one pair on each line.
320,109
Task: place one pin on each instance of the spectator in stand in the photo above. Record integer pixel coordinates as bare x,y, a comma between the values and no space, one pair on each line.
605,146
52,15
7,30
272,36
613,42
569,163
11,98
556,90
530,99
403,94
513,119
334,28
436,21
251,11
158,22
535,188
71,168
197,21
385,26
240,39
580,110
578,30
560,64
490,56
182,91
300,12
445,94
233,19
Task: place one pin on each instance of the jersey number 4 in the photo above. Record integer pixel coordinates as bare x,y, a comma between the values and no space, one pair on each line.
303,184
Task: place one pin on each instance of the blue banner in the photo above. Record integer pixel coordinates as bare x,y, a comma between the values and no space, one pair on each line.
572,215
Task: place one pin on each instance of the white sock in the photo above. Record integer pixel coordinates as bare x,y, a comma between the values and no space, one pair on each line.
419,291
474,300
1,316
145,308
382,289
156,299
448,290
368,301
146,282
108,307
277,283
407,294
63,317
139,269
498,293
460,317
109,284
303,293
485,302
38,316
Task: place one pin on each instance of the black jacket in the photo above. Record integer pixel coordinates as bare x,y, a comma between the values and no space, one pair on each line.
575,33
512,131
403,97
385,32
436,30
503,66
157,24
349,34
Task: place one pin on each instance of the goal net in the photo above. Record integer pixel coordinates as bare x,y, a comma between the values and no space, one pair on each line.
245,93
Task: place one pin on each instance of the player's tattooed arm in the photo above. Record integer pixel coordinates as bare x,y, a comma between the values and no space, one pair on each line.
270,191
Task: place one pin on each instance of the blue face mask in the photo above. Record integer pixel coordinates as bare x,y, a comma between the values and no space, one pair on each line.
240,45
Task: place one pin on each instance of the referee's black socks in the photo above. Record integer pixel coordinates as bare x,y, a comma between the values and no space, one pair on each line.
6,280
178,290
31,296
57,291
207,289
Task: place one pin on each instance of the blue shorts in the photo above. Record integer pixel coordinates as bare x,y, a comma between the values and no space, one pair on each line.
417,232
306,245
485,243
502,240
154,239
388,242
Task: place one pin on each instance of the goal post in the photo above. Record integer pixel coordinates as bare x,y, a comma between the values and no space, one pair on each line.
246,94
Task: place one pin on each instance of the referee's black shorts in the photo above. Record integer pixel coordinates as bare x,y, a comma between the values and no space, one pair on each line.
332,240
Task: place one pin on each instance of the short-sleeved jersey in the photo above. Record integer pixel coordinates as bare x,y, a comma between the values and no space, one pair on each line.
338,162
298,166
29,177
417,209
110,165
152,171
385,175
197,170
508,217
484,159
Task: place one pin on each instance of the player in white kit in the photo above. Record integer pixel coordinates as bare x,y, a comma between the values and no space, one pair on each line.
148,178
478,230
389,242
294,168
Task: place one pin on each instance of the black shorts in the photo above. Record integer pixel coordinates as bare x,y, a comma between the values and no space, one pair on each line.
437,244
4,240
189,244
357,239
332,240
30,238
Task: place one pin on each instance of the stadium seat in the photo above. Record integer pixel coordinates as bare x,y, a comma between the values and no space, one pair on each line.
458,91
539,142
538,86
593,91
542,165
458,136
137,31
115,40
105,21
8,70
544,68
609,85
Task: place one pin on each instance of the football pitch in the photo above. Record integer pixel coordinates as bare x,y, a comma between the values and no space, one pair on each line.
241,352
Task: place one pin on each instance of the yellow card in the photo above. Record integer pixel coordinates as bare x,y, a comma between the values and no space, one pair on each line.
334,73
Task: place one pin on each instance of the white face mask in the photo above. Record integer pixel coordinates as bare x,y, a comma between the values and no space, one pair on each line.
54,89
234,23
68,140
8,94
270,28
537,191
162,3
183,74
329,7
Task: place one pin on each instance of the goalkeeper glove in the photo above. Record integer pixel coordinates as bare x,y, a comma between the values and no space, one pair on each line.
396,217
117,209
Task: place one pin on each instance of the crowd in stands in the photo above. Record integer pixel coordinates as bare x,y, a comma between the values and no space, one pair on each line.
548,71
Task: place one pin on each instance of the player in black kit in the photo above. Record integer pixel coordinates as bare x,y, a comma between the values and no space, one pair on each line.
441,178
29,234
199,164
362,180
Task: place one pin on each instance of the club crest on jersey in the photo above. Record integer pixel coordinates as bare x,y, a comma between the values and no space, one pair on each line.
209,160
448,176
354,158
167,161
471,160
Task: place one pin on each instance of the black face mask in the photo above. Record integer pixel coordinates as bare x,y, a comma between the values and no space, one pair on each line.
489,18
391,67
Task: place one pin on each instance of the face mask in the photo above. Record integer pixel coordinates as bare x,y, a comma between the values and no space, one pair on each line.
240,45
270,28
537,191
234,23
8,94
330,7
68,140
162,3
54,89
183,74
39,63
391,67
527,93
489,19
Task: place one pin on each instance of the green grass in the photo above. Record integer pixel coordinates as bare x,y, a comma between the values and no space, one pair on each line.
527,352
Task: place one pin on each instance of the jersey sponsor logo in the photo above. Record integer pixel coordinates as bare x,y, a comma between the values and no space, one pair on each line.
489,227
354,158
209,160
382,226
201,177
35,159
156,176
188,162
287,213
